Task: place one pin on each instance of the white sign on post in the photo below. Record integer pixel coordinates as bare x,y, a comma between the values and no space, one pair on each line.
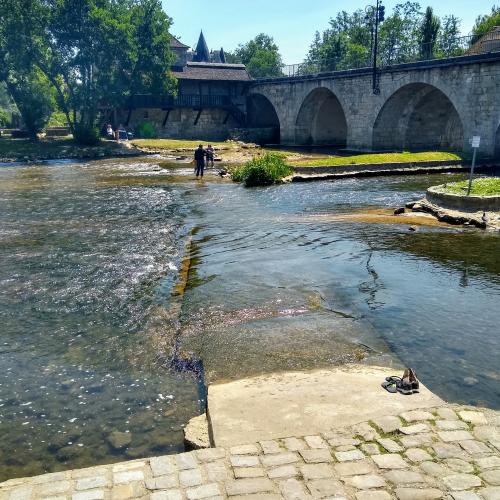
476,139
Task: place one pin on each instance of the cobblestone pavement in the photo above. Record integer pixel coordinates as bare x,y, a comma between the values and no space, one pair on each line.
450,452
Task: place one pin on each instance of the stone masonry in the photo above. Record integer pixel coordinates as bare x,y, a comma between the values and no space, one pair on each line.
443,105
449,452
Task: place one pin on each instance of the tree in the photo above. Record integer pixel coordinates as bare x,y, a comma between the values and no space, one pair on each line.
348,42
345,44
448,39
261,57
94,52
27,86
34,98
398,38
429,33
486,23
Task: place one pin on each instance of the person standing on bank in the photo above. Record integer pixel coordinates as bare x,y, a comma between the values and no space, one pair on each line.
199,158
210,156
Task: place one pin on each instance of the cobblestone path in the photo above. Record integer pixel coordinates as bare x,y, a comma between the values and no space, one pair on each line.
450,452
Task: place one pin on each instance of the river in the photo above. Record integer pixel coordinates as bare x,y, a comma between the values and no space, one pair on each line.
279,280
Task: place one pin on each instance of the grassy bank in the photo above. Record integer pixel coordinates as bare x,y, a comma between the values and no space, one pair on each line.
404,157
179,144
486,186
55,147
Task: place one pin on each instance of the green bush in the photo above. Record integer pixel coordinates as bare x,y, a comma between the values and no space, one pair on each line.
263,171
4,118
58,119
146,130
86,136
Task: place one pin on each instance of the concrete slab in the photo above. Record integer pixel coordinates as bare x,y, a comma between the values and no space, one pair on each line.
304,403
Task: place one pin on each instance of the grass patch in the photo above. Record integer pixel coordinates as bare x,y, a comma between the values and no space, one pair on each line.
172,144
263,171
378,158
484,186
56,147
15,148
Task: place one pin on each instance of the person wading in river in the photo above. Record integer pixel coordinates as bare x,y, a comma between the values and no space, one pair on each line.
199,158
210,156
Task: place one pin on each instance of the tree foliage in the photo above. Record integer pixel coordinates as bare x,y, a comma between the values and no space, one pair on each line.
347,42
260,55
487,22
94,53
429,31
448,42
34,98
26,84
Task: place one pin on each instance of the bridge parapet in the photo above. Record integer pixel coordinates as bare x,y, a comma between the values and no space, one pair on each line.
463,47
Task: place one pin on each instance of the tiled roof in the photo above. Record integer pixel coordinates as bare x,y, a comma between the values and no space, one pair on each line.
213,71
176,44
489,42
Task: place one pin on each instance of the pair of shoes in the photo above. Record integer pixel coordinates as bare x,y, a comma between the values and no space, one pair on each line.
390,384
407,384
412,377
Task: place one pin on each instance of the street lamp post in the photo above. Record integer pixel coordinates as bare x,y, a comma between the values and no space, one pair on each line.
379,17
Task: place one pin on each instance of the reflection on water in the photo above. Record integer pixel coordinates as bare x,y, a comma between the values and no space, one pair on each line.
88,256
426,297
279,280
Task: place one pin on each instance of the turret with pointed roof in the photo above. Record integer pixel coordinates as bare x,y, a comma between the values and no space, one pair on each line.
202,54
222,56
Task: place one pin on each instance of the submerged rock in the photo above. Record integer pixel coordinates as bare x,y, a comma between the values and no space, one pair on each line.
137,452
68,453
119,440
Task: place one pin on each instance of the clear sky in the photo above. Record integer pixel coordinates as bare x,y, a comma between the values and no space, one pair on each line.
291,23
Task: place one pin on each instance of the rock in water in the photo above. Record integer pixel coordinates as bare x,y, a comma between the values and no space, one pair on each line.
412,228
196,433
68,453
399,211
119,440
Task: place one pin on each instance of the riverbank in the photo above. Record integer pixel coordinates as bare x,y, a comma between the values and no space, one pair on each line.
55,148
60,148
306,165
447,451
308,174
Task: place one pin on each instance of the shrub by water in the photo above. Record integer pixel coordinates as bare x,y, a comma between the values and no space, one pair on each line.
262,171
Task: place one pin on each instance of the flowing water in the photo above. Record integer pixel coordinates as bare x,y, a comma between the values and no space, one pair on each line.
280,278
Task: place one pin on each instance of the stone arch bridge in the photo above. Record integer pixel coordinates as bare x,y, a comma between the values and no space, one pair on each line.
427,105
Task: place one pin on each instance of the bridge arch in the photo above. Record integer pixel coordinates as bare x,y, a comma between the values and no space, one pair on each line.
263,119
321,120
418,116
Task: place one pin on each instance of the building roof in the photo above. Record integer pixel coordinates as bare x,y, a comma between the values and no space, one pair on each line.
176,44
213,71
222,55
489,42
202,54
